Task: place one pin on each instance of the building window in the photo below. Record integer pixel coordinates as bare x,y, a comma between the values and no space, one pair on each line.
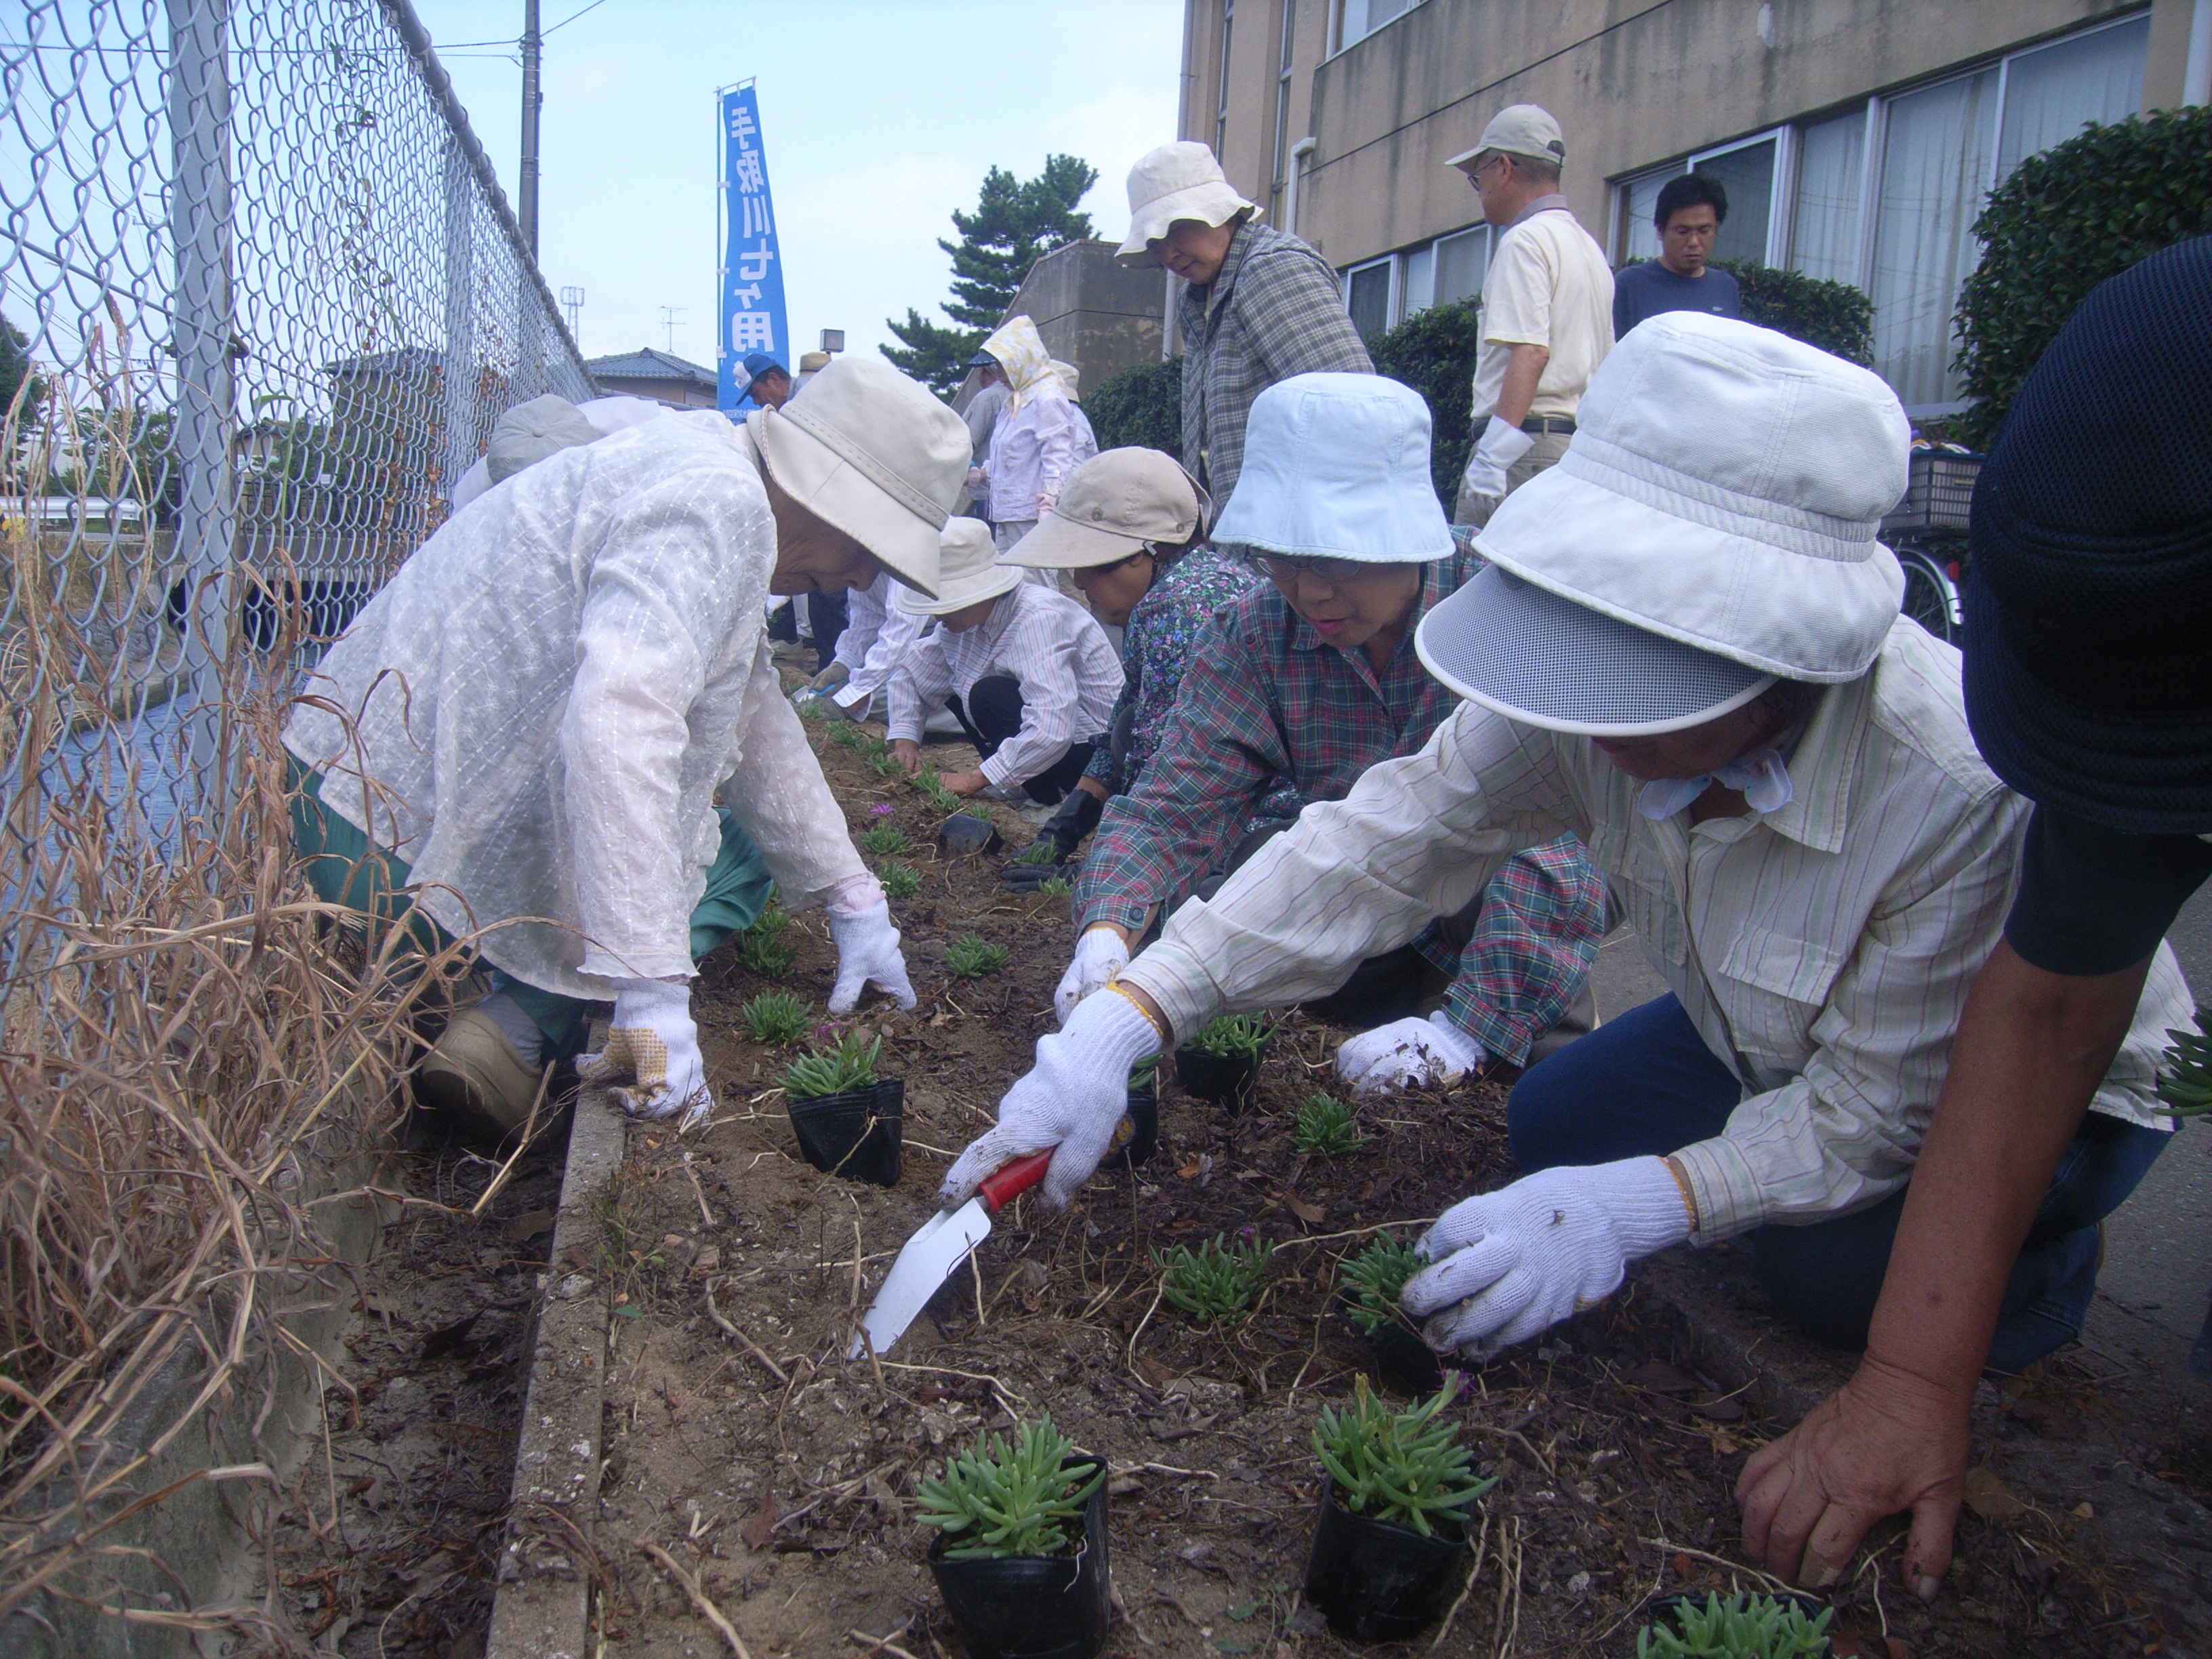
1462,261
1885,196
1367,296
1221,100
1361,18
1283,109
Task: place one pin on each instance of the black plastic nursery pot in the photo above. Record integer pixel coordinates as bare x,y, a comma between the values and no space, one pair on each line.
1403,1362
1376,1581
1664,1609
857,1134
1228,1081
963,833
1143,1121
1034,1607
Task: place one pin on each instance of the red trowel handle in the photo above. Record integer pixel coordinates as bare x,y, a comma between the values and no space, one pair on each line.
1010,1181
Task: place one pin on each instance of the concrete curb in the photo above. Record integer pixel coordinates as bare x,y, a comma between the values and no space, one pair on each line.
193,1550
542,1609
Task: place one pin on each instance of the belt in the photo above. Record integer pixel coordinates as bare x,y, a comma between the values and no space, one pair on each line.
1542,425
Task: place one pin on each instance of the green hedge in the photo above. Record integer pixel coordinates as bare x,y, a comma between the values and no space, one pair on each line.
1833,316
2066,220
1434,354
1141,405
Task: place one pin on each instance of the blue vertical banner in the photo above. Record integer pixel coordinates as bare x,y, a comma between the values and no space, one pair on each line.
752,265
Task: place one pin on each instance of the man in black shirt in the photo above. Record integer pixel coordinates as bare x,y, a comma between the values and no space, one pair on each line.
1691,209
2088,684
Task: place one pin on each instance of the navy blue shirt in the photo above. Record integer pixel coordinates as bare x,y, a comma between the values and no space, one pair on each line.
1645,291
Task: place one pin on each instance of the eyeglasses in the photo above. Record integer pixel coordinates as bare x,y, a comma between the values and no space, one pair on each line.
1497,160
1330,573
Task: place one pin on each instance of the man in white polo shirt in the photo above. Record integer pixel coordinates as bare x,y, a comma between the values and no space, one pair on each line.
1547,310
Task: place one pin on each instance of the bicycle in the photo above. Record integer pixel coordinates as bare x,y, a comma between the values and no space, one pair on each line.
1927,531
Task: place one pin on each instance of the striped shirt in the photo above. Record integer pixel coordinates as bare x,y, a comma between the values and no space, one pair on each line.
1062,660
1824,951
878,636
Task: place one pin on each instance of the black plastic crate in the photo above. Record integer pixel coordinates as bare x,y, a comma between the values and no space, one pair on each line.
1939,493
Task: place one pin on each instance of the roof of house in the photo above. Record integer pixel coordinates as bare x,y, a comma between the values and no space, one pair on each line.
646,364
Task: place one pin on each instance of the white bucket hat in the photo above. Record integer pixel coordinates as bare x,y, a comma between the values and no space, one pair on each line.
1180,180
873,454
1113,505
966,572
1336,466
1711,529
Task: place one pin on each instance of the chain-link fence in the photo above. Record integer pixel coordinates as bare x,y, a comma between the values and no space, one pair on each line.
260,303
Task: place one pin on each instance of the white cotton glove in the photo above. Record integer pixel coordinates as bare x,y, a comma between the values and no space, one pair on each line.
1099,955
1510,1265
1501,444
829,679
867,945
1408,1053
652,1042
1072,1099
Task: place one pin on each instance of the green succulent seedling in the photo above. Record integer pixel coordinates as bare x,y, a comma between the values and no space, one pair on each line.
900,880
2185,1085
1239,1036
1216,1284
971,956
1009,1497
1044,850
883,765
1325,1125
1376,1277
761,946
1404,1467
1055,887
884,841
847,1065
777,1019
1143,1075
846,736
813,709
1739,1627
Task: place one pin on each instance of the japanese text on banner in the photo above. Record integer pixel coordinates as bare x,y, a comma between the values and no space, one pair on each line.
752,309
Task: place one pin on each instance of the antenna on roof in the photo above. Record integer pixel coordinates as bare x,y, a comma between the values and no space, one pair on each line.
670,316
572,301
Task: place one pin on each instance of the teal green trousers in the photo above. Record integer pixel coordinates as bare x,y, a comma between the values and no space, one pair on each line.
345,868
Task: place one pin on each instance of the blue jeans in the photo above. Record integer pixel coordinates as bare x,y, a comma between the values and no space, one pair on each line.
1645,1084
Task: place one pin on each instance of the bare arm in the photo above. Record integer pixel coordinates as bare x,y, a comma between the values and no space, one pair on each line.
1522,371
2031,1050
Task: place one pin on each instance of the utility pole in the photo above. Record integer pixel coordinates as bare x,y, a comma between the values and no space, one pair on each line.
533,97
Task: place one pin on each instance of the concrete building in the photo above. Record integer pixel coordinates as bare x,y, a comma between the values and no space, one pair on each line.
658,375
1100,316
1856,138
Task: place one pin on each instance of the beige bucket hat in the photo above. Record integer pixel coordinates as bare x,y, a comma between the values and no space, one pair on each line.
1113,505
1180,180
965,573
872,453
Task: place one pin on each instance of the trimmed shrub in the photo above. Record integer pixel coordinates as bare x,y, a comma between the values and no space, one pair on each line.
2066,220
1434,354
1140,405
1833,316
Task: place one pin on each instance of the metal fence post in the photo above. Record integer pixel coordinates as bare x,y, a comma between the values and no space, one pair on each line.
200,232
460,365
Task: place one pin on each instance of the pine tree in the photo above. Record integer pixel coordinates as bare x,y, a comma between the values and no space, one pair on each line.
1016,220
16,368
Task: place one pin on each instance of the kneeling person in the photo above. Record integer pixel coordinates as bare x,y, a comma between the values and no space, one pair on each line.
1029,675
1687,651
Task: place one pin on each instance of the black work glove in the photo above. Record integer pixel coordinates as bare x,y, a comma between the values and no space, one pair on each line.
1062,834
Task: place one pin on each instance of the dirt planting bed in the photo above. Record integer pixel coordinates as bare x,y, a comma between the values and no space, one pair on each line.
782,1479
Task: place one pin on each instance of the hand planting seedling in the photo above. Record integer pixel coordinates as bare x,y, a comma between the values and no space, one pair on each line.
937,794
1217,1283
2185,1085
971,956
1406,1467
1325,1125
1233,1037
847,1065
1740,1628
761,946
1009,1498
1374,1277
881,842
1055,887
900,881
777,1019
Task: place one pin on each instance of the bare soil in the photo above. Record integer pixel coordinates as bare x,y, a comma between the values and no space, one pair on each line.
738,1441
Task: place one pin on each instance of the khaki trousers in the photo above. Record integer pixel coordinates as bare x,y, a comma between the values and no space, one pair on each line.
1545,451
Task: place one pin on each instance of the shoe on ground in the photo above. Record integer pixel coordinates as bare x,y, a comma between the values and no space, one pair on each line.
474,1078
1038,812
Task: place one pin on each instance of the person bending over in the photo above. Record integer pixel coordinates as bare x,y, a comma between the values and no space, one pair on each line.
1686,649
1030,676
1295,690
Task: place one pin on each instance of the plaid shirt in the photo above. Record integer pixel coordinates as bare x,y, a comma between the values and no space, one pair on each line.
1275,310
1271,717
1162,631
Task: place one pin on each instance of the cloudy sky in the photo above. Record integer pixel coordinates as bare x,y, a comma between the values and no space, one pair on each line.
878,118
